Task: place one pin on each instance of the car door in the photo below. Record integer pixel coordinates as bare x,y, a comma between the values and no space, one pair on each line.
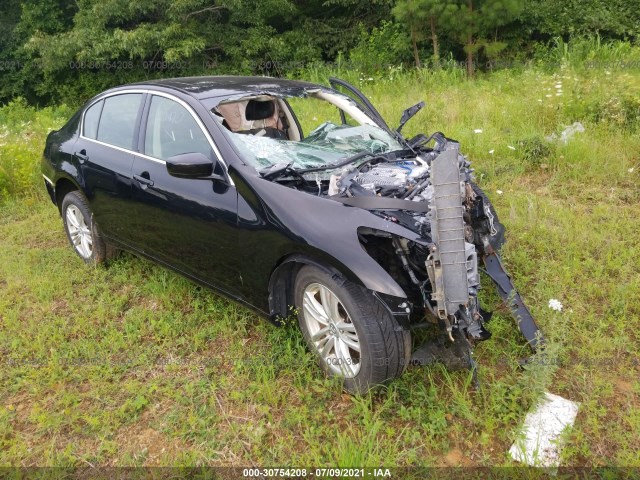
104,156
187,223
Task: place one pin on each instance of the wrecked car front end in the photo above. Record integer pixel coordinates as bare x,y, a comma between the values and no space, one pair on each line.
434,226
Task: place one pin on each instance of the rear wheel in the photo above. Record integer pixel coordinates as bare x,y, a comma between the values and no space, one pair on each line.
351,332
82,231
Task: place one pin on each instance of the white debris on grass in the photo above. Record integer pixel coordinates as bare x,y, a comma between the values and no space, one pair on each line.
567,133
499,192
510,147
570,131
554,304
477,130
492,150
540,444
630,170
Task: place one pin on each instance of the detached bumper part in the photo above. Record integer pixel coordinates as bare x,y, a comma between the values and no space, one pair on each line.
512,299
449,261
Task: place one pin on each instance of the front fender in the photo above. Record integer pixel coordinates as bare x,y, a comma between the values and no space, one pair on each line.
287,222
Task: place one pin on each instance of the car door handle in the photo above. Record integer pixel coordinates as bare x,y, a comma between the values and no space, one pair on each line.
144,180
81,156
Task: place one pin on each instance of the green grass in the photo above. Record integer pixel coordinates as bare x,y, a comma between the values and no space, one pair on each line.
133,365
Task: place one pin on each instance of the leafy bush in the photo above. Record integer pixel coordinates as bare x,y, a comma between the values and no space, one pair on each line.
535,150
381,48
23,130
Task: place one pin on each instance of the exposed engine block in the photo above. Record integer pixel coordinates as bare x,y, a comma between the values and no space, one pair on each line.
384,176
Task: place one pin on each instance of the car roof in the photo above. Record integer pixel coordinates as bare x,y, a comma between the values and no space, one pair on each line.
229,85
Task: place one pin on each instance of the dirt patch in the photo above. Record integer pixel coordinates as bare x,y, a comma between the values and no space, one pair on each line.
455,458
141,441
59,306
624,387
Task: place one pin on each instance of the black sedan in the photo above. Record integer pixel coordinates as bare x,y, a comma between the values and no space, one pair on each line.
290,198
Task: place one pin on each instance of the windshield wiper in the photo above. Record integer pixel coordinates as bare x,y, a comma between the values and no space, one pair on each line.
274,171
280,170
346,161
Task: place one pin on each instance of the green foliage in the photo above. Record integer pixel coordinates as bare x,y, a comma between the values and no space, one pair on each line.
535,150
422,16
380,48
22,133
610,18
93,43
57,51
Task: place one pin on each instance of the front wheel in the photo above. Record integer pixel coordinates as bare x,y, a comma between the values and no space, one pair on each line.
353,335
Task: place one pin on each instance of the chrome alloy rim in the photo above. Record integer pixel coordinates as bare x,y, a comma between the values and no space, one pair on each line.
332,332
79,232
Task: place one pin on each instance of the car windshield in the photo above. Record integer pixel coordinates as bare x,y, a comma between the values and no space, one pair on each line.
319,128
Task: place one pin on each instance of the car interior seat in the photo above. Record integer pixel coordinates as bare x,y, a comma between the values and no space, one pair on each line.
254,117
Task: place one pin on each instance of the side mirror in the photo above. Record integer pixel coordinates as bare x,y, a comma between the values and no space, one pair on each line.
190,165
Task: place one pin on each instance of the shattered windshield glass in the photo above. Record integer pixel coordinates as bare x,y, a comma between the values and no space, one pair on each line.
327,144
275,139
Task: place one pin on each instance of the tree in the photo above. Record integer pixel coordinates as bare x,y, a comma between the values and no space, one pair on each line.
476,20
420,15
117,41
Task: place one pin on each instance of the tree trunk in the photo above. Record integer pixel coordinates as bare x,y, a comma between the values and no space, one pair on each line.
414,43
470,41
470,56
434,40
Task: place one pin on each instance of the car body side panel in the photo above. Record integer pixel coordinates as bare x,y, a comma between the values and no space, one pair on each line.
280,221
57,159
190,223
107,185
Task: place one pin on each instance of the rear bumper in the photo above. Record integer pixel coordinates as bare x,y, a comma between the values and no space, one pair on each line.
48,183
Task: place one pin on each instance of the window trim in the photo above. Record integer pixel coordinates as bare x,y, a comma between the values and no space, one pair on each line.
190,109
99,117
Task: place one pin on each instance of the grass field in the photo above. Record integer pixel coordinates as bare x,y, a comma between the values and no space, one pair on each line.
133,365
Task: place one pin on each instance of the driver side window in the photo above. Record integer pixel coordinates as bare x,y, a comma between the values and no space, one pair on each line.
171,130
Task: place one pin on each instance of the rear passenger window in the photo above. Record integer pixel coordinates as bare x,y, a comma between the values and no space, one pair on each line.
91,118
118,119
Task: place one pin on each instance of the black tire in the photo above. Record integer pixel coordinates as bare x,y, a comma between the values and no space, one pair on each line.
100,250
385,350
